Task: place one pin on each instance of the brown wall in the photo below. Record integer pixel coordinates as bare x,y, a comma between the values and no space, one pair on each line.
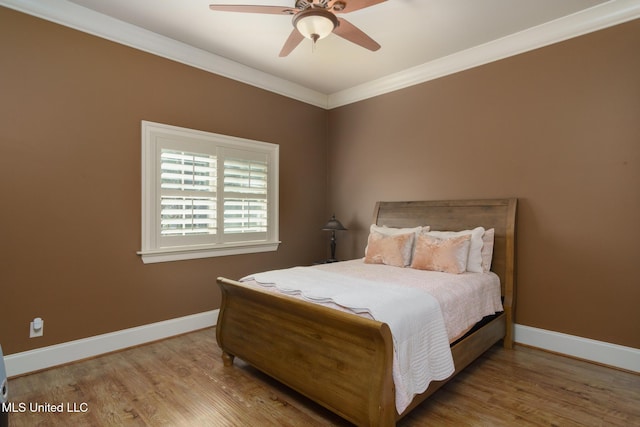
559,128
70,112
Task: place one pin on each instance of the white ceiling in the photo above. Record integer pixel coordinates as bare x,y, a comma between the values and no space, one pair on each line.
411,32
417,36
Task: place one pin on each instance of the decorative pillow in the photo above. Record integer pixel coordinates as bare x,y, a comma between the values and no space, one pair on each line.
390,231
487,249
446,255
390,250
474,262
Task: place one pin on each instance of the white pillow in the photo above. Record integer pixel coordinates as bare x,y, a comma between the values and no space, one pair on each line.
390,231
474,261
487,248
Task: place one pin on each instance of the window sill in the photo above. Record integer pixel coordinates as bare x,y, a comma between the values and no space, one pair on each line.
180,254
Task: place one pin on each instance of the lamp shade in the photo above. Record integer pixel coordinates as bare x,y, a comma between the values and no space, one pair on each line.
315,24
333,225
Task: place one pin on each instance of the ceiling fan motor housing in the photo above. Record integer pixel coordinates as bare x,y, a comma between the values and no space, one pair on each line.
315,23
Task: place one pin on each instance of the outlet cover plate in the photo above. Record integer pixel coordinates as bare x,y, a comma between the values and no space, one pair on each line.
33,333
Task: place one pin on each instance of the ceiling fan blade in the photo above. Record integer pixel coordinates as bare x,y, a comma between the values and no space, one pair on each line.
272,10
346,6
350,32
292,42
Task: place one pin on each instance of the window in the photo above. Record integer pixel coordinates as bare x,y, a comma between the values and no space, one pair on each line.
206,195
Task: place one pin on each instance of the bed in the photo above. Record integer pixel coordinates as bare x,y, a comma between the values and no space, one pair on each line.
344,361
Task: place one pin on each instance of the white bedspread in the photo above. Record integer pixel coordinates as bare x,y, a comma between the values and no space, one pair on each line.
464,298
421,344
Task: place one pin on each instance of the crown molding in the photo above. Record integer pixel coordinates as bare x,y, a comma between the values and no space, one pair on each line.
589,20
89,21
69,14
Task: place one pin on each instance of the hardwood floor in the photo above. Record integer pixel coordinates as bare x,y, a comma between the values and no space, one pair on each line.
181,382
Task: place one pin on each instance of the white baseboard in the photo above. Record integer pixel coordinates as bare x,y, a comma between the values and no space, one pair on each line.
41,358
46,357
614,355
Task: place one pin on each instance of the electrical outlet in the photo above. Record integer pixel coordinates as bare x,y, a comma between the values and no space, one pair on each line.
36,328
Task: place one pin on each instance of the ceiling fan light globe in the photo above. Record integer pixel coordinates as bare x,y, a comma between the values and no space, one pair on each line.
315,24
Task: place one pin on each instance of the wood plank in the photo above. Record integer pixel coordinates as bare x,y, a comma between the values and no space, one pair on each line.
181,381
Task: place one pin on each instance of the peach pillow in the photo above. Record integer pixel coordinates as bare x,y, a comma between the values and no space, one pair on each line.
391,231
446,255
474,260
390,250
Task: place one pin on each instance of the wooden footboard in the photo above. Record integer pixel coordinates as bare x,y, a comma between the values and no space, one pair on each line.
339,360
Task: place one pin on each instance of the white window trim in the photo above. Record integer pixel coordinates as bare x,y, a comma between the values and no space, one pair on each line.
150,252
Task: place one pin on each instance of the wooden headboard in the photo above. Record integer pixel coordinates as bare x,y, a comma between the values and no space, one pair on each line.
455,215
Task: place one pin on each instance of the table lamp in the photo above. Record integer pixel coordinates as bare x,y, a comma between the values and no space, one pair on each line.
333,225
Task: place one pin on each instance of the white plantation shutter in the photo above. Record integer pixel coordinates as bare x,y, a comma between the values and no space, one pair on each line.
188,193
245,193
206,194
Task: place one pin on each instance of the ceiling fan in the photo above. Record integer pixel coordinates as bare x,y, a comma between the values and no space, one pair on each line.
315,20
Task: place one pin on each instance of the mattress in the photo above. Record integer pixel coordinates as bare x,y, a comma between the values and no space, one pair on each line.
464,298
